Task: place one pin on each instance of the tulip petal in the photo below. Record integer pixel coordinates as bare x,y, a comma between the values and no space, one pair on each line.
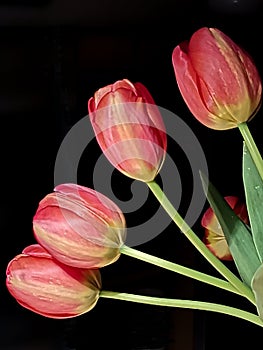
36,250
98,204
192,88
129,129
231,74
237,233
217,79
49,288
79,227
214,237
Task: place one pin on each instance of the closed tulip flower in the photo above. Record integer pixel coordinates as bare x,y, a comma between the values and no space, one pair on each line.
218,80
129,129
214,237
49,288
79,226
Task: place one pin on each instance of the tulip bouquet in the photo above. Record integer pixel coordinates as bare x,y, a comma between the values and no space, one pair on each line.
80,231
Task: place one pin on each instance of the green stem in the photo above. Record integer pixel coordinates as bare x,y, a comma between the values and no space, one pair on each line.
179,269
199,245
187,304
252,147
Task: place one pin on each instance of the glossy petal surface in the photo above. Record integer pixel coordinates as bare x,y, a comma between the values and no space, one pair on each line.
214,237
129,129
218,80
49,288
79,226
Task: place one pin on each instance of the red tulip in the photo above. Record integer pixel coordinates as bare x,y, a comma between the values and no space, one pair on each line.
129,129
79,226
49,288
218,80
214,236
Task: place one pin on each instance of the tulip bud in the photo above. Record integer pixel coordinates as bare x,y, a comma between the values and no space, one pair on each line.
214,237
218,80
80,227
129,129
49,288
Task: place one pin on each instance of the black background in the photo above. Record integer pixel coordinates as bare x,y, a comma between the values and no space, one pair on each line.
54,56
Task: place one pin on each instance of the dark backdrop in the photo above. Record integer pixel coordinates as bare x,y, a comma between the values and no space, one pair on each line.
54,56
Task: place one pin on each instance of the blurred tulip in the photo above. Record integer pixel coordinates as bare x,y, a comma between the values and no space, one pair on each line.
49,288
217,79
79,226
214,237
129,129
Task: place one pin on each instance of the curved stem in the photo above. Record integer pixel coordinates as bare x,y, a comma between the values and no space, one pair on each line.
202,277
252,147
199,245
187,304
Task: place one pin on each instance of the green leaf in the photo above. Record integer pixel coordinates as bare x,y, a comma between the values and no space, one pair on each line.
238,235
257,287
253,186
